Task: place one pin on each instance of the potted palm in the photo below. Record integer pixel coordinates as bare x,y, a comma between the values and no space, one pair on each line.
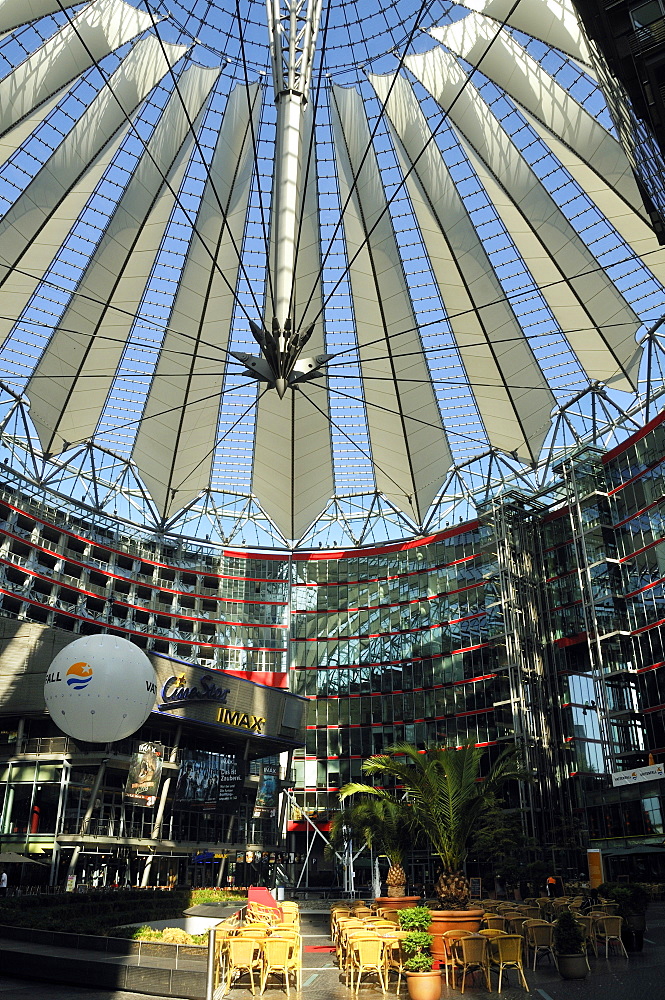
446,798
382,824
423,981
569,944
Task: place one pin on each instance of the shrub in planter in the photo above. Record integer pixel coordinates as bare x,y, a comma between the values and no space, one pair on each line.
633,902
569,947
423,982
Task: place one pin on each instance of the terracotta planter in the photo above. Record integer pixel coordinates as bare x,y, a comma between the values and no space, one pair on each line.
572,966
452,920
397,902
424,985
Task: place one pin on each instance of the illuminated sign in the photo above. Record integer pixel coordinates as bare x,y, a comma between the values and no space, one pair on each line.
176,692
241,720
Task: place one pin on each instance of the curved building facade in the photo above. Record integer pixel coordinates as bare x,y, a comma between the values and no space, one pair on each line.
538,624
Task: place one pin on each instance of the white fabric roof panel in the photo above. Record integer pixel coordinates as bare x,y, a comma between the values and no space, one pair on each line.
95,32
598,322
510,66
22,282
409,448
44,196
553,21
13,13
631,225
292,474
511,391
176,441
76,370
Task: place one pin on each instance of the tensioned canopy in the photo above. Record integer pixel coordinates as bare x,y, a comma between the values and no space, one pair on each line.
339,249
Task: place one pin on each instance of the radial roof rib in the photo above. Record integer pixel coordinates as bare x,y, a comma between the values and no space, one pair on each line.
511,392
554,22
510,66
175,444
14,13
599,323
99,29
45,198
68,389
292,474
409,447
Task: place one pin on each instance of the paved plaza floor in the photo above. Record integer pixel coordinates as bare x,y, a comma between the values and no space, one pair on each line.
641,977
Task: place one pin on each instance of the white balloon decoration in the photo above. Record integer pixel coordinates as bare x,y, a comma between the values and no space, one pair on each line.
100,688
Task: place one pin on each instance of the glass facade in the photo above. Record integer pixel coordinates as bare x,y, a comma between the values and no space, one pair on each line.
539,624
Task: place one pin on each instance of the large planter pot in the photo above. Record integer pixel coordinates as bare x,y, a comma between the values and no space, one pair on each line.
424,985
632,931
452,920
397,902
573,966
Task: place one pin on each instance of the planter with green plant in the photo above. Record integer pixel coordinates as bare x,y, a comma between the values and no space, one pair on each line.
422,980
569,945
633,902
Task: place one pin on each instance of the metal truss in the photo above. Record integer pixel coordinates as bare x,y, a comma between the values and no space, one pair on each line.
106,486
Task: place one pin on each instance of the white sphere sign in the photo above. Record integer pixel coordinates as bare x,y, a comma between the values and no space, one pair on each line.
100,688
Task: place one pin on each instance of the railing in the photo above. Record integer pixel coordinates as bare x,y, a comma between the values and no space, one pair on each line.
648,36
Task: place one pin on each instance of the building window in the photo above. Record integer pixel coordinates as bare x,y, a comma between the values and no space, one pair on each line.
646,14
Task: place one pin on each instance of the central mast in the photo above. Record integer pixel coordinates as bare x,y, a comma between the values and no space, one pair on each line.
293,26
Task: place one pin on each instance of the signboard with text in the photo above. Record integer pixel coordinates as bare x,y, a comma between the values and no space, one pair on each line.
649,773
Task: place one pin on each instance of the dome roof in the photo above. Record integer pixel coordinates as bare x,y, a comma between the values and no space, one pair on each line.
339,276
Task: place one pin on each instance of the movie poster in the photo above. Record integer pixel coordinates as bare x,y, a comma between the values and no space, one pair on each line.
145,772
207,780
267,794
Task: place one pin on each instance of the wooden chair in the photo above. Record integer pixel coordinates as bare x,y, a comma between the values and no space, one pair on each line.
471,954
506,953
491,932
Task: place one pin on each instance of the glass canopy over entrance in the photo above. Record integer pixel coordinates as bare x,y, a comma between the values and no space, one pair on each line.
313,272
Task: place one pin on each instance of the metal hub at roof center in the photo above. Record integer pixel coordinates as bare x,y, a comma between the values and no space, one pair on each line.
420,213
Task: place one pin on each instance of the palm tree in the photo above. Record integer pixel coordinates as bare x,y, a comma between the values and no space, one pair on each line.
382,824
446,798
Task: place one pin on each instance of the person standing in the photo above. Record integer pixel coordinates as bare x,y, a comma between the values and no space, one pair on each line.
3,884
551,885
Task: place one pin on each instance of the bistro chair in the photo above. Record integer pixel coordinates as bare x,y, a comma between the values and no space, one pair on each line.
241,954
587,926
608,929
449,938
540,937
395,957
276,960
491,932
367,956
495,922
471,954
506,953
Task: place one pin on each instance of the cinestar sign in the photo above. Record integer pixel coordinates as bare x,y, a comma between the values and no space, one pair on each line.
650,773
176,692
